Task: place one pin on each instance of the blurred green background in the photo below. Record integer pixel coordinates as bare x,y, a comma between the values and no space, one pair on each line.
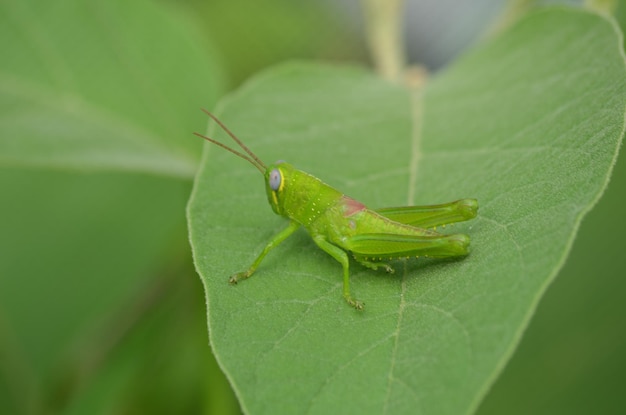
101,310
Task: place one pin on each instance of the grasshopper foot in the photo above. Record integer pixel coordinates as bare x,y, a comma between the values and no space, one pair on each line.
355,303
235,278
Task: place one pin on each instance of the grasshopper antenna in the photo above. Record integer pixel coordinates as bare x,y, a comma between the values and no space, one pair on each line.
251,157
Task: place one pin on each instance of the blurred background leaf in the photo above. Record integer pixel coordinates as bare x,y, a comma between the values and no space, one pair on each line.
99,85
253,35
96,290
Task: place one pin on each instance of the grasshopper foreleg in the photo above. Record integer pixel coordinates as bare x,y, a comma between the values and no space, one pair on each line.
276,240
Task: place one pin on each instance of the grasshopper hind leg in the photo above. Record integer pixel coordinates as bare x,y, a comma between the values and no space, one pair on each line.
398,246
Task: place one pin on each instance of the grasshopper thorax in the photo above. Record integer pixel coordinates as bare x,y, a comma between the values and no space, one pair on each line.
296,194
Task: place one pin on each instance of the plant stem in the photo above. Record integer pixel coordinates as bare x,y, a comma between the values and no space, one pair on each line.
384,27
512,11
602,6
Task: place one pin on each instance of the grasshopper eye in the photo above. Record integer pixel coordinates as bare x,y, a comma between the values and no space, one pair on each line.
275,179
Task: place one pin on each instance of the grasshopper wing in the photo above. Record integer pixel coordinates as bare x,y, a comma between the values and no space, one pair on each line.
433,215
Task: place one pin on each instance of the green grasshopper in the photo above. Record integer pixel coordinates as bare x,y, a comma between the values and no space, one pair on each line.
339,224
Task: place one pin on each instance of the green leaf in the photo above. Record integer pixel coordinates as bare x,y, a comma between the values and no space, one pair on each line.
76,250
96,86
102,85
529,124
572,340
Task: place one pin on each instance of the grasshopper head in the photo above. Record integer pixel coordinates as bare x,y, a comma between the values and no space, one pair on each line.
276,177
